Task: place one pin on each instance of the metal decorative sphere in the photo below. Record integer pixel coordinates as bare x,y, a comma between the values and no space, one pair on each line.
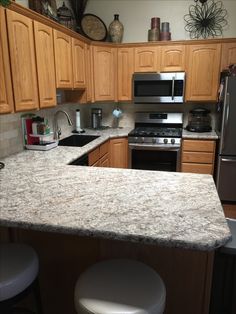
206,19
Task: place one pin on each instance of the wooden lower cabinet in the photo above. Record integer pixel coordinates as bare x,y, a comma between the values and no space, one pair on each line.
100,156
186,273
119,153
198,156
230,210
113,153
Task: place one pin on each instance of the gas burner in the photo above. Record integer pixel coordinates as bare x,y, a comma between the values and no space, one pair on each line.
151,129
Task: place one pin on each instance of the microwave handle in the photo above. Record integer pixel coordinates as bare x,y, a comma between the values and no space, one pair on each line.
173,88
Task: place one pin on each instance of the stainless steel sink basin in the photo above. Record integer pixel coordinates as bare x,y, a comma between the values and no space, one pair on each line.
77,140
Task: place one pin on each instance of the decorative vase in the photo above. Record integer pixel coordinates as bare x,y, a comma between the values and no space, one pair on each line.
116,30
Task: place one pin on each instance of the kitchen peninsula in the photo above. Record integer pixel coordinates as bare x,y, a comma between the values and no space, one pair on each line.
77,215
170,209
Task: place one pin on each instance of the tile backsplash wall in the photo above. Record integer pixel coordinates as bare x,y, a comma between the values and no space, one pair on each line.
11,131
11,139
127,119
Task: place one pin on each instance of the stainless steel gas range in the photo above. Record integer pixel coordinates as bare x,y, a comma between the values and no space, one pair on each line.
155,142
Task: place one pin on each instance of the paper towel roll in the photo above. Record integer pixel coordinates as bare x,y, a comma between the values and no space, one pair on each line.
78,128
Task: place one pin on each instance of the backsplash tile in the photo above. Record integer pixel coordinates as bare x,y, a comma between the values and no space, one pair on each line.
11,130
11,139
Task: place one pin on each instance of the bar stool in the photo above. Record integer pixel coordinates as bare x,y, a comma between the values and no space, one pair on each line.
120,286
18,276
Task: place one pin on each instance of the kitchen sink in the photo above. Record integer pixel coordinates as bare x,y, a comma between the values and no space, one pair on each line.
77,140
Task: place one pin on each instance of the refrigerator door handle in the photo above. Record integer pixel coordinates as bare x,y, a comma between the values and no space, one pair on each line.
226,117
229,159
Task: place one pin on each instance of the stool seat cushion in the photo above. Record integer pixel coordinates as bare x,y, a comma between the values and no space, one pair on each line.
120,286
18,268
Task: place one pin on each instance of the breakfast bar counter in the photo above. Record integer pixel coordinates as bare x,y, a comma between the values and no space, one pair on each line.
39,191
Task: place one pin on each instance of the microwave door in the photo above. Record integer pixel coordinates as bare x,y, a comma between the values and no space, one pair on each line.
228,127
158,87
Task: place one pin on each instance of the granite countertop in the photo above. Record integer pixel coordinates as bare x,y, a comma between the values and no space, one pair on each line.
40,191
200,136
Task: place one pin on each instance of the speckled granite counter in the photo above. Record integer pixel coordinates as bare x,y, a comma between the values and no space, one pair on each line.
40,191
200,136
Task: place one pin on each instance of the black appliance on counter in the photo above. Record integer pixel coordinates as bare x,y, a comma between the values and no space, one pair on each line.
155,142
199,120
226,128
96,118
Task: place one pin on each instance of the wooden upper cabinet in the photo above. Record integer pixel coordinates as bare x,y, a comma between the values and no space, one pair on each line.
45,64
78,53
23,62
147,59
203,72
89,74
173,58
6,97
63,60
228,55
125,72
105,65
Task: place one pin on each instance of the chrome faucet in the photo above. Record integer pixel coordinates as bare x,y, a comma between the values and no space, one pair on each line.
56,130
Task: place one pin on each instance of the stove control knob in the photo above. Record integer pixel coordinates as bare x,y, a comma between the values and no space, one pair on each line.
165,140
142,139
172,141
154,140
136,139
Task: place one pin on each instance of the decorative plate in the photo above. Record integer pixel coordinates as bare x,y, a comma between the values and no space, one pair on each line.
93,27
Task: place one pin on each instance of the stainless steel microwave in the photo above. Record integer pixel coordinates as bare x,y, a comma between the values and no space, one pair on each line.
158,87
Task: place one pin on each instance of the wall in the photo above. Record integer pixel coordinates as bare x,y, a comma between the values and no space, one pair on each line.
136,16
11,138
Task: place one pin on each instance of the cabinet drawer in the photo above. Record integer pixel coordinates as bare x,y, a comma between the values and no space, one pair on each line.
198,146
104,148
96,164
104,161
94,156
197,168
201,157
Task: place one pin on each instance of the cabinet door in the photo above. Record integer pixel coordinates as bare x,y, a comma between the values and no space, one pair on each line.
147,59
228,55
94,156
119,153
78,51
105,65
125,72
63,60
45,64
172,58
23,62
203,72
6,97
89,74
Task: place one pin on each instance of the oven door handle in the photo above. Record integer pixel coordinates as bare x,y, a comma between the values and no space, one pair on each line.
148,147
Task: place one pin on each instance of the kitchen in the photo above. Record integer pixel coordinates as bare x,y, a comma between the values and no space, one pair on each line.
128,116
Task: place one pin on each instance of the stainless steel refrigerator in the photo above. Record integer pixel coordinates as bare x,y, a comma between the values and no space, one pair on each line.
226,159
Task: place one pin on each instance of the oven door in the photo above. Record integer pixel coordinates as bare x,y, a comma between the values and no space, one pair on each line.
160,158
